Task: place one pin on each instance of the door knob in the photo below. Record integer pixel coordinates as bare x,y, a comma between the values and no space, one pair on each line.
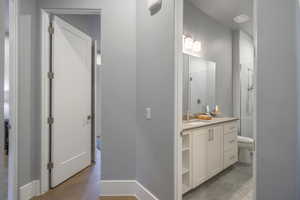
89,117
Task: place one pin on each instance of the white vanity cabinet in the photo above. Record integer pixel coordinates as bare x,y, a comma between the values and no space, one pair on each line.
212,149
207,153
230,144
215,151
199,152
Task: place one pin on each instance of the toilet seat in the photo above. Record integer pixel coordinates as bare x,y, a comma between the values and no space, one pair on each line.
246,147
245,140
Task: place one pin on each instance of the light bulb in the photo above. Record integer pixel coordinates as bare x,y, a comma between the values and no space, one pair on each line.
197,46
188,43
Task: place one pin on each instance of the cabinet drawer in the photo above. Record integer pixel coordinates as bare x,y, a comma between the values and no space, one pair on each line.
230,141
230,127
230,157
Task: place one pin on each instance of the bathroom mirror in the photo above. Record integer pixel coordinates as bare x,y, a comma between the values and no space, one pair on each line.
199,86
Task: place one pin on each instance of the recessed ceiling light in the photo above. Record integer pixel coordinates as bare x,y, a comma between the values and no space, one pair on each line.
241,19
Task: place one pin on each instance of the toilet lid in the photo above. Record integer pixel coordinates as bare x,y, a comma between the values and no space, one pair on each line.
245,140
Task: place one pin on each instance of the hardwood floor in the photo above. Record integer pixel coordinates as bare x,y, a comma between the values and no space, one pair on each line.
83,186
3,175
118,198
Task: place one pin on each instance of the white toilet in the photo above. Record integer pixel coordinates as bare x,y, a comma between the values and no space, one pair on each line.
245,147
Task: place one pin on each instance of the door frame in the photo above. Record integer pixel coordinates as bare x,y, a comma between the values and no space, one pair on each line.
13,99
178,59
45,61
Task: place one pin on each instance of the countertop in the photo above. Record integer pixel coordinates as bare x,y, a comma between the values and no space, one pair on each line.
202,123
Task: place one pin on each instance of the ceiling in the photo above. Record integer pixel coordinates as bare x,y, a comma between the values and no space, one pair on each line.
224,11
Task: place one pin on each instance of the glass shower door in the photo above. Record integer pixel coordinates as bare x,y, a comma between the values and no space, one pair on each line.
247,100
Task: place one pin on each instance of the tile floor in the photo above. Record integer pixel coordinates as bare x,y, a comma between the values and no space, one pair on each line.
235,183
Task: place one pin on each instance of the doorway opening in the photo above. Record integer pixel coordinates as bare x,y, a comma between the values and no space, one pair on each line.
4,165
8,142
71,144
216,73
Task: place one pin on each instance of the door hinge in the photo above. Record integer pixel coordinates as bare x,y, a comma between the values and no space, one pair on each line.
51,30
50,75
50,165
50,120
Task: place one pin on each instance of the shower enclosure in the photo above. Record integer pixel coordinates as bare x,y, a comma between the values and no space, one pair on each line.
247,90
244,82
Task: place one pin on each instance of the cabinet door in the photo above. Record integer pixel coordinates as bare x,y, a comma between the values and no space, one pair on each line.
200,138
215,150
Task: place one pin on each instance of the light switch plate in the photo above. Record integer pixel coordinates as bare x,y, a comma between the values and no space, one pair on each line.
148,113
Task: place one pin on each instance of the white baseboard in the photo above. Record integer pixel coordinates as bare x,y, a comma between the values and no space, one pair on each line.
143,193
125,188
118,188
30,190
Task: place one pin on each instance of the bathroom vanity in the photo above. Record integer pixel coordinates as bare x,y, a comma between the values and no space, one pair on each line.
208,147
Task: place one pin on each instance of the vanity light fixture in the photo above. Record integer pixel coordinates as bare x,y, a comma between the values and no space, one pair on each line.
191,46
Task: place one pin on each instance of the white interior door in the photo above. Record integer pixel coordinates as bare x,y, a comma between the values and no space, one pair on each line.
71,101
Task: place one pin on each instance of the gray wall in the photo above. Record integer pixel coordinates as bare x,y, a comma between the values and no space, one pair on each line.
2,35
185,86
236,101
276,100
216,42
155,89
297,6
28,126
